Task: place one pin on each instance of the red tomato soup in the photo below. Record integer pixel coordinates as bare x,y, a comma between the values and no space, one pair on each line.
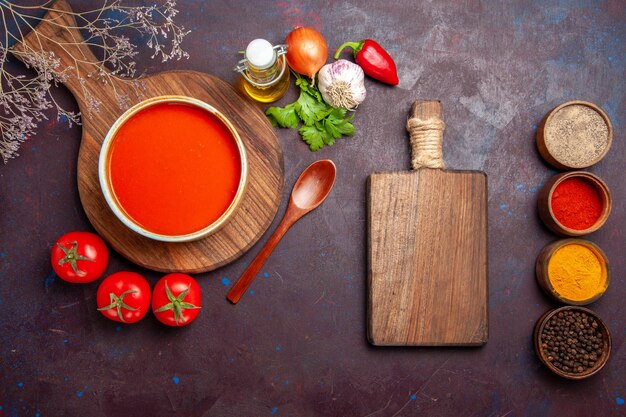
174,168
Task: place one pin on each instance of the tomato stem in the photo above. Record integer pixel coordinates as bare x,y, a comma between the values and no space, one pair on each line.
176,304
118,303
72,256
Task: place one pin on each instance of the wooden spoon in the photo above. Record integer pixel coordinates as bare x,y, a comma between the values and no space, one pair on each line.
310,190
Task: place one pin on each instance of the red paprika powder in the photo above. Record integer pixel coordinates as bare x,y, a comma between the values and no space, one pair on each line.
576,203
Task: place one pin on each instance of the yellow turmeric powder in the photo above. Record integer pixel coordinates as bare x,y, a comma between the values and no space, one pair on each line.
577,272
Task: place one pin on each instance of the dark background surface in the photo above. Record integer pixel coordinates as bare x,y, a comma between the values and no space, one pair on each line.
297,345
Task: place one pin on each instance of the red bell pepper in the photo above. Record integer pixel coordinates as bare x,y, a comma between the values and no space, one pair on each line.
374,60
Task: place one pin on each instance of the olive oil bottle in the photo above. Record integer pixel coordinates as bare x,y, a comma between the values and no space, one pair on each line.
264,71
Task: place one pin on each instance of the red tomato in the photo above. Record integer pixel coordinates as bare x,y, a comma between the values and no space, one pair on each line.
79,257
176,300
124,297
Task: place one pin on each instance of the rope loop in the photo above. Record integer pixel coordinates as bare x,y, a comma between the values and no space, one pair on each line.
426,142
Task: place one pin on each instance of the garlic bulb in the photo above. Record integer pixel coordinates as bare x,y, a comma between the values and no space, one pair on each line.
342,84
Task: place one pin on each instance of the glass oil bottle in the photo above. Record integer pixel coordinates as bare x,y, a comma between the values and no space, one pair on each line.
264,71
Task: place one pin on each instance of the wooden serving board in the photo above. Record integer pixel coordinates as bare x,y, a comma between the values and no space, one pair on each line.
427,249
265,159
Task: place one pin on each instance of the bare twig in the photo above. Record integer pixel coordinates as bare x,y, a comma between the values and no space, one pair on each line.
24,100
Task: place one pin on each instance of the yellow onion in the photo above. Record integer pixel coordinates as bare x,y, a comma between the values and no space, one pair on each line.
306,51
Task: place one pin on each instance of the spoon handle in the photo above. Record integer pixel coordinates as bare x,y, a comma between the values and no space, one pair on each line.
253,269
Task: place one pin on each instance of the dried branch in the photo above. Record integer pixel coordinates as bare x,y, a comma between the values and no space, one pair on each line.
24,100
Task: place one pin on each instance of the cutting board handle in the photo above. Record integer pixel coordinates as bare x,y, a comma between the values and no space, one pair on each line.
425,129
78,68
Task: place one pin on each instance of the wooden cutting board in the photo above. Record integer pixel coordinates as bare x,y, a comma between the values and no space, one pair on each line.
427,250
265,159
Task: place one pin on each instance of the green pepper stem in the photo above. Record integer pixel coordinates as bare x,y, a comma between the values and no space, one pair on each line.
356,47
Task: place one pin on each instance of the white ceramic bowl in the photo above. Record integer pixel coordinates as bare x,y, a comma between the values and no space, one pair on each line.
111,199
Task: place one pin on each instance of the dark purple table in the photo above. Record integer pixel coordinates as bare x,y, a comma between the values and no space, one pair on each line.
297,345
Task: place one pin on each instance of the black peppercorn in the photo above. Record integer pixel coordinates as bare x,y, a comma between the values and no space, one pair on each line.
572,341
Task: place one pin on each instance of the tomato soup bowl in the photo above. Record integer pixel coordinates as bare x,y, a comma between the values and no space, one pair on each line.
173,169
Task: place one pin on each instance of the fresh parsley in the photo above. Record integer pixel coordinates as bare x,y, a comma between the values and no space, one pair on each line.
322,124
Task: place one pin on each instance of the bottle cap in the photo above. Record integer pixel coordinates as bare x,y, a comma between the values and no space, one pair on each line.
260,54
